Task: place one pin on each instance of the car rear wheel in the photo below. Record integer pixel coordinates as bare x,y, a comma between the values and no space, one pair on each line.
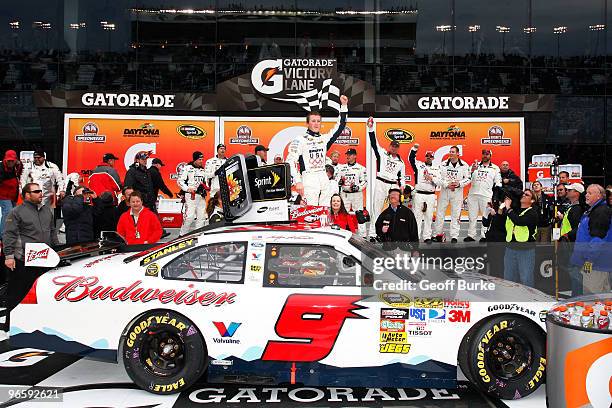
163,352
505,357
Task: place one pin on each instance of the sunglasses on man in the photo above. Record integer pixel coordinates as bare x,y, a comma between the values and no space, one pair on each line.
34,191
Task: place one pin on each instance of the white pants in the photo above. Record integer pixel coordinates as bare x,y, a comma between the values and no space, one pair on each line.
316,188
425,217
380,196
194,209
455,199
477,206
354,202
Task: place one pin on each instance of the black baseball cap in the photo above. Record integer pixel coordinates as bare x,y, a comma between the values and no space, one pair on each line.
220,145
197,155
39,152
158,161
108,156
395,190
395,143
260,148
351,151
142,155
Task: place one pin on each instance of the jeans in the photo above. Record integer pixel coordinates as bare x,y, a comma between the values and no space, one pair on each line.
518,265
5,207
576,280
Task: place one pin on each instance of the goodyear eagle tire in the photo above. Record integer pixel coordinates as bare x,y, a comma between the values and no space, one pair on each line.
163,352
506,357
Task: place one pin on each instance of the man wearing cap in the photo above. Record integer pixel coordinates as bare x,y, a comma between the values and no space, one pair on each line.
192,182
47,175
212,165
105,177
353,179
485,178
454,176
426,179
10,171
139,178
306,156
158,180
261,153
278,158
396,225
569,228
390,173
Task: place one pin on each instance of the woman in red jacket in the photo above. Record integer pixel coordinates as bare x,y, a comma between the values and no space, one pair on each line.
339,215
139,225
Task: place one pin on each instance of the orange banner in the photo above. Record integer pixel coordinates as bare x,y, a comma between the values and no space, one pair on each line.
172,139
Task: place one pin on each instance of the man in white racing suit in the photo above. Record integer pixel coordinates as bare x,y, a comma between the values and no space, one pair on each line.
454,175
47,175
306,156
212,165
485,177
426,179
390,173
353,179
192,181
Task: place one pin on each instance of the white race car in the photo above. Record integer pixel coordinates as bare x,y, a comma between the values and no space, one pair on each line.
276,304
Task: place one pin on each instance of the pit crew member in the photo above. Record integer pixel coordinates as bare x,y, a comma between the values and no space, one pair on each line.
485,177
212,165
353,179
47,175
426,179
192,183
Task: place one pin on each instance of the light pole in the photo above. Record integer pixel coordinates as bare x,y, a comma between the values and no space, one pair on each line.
503,30
473,29
596,28
444,29
110,27
14,25
559,31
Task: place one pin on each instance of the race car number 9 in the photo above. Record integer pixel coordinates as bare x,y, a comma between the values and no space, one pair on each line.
314,320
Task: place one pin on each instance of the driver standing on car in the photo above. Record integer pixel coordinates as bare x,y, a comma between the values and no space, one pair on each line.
31,222
306,156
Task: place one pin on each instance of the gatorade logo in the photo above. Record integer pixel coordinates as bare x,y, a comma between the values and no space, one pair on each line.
587,375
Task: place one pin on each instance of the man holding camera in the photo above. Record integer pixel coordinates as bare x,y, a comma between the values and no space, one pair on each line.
78,216
192,183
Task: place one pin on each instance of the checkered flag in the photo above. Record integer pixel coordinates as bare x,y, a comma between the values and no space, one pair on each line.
327,96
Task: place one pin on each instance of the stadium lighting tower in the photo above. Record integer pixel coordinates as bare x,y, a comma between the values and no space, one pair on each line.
559,31
473,29
503,30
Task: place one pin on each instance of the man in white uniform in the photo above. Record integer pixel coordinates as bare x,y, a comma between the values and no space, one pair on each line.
353,180
390,173
212,165
191,182
307,153
454,175
47,175
427,177
485,177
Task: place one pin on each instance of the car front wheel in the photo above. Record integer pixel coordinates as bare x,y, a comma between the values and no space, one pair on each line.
163,352
505,357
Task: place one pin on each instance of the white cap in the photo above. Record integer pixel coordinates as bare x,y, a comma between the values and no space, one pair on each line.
576,187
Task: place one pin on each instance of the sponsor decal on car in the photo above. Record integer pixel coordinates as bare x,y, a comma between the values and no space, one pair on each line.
99,260
459,316
144,324
33,255
511,307
221,362
77,288
152,270
256,268
435,303
456,304
395,299
436,315
169,387
257,244
393,313
169,250
226,332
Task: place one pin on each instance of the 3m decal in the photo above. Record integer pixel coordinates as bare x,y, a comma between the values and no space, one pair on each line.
169,250
314,323
459,316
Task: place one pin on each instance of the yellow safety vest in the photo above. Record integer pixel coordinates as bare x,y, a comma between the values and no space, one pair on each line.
521,233
565,224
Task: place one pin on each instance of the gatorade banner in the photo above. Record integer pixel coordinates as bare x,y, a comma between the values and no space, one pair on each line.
172,139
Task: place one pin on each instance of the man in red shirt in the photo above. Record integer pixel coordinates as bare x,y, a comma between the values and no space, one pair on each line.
139,225
10,171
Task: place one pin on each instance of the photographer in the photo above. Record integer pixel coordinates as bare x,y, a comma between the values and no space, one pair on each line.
521,227
494,219
545,206
78,216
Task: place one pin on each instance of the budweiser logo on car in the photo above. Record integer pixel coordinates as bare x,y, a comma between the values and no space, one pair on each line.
32,255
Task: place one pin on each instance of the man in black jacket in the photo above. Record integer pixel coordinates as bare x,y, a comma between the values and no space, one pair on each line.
511,182
158,181
139,178
396,226
569,228
78,216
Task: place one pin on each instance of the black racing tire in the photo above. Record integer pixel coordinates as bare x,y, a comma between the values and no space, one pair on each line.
462,355
163,352
505,356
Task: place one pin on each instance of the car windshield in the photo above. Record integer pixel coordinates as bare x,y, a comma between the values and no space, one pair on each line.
374,256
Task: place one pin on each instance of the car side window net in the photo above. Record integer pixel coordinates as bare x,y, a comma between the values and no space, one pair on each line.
308,266
211,263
